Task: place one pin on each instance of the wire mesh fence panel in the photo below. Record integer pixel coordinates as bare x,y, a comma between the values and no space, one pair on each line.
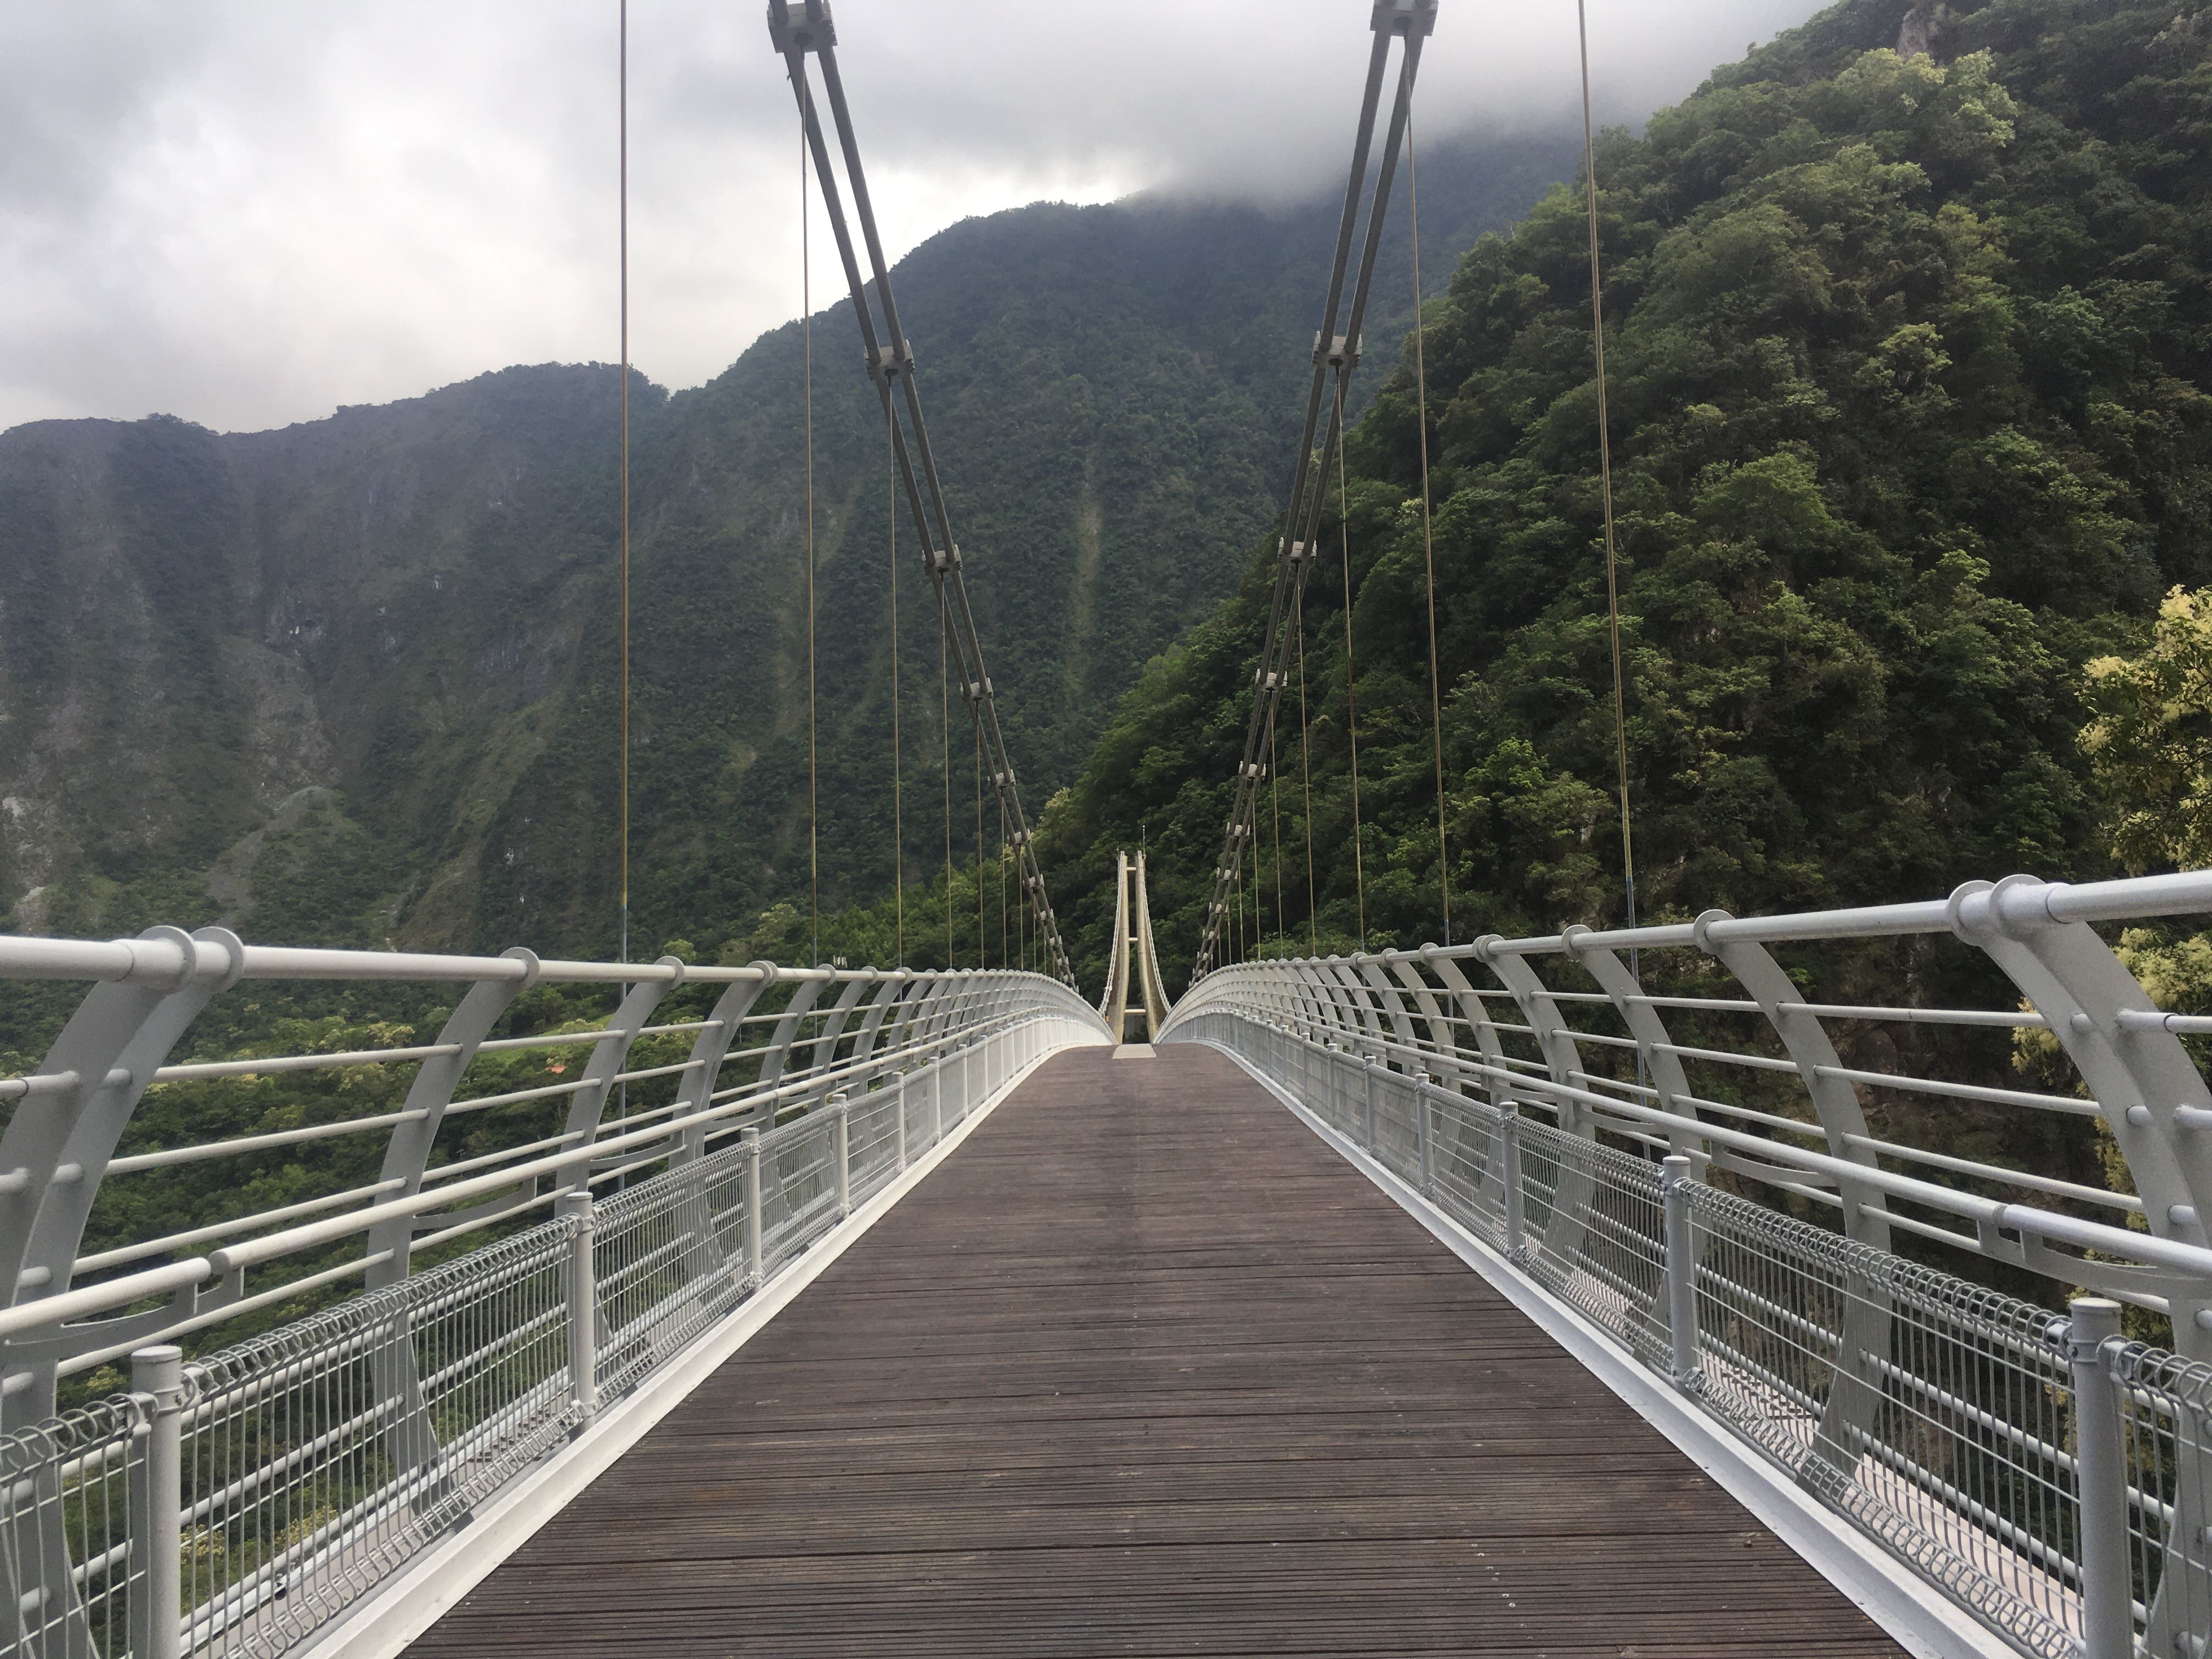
668,1259
317,1458
2165,1406
1598,1232
1397,1142
1466,1150
798,1188
873,1141
1936,1413
71,1579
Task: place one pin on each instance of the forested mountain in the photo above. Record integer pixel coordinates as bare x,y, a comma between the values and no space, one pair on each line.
1910,364
354,681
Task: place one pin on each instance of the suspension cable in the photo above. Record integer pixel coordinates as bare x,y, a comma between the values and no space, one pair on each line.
1275,797
1351,703
898,806
1605,471
1259,919
945,737
622,1108
799,29
1305,775
806,335
1428,530
1336,350
981,956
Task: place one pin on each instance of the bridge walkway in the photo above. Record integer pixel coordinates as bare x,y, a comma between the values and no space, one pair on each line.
1144,1368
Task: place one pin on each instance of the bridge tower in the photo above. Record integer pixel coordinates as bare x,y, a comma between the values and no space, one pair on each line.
1134,969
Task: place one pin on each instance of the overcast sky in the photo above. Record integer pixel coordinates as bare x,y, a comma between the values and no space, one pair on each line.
247,212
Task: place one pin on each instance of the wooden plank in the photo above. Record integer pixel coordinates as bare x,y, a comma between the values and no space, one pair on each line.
1146,1369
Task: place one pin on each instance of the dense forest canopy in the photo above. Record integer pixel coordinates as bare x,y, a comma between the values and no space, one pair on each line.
354,682
1909,362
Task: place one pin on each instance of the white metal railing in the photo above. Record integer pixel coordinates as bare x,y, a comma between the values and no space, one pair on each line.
1679,1152
255,1492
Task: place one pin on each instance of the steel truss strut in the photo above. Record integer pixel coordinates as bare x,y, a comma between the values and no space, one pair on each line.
799,33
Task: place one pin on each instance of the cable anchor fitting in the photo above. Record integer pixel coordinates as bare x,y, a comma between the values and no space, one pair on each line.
1406,17
888,362
809,31
1337,354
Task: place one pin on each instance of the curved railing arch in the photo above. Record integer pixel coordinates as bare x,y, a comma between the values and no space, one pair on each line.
835,1030
2135,1075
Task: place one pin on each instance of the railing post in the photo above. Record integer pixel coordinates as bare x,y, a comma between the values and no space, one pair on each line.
936,1102
1422,1132
1367,1082
157,1509
750,1136
1675,1180
898,1108
575,1207
1508,1173
2101,1473
840,1121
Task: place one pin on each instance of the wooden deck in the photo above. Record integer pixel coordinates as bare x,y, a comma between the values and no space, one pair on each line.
1146,1369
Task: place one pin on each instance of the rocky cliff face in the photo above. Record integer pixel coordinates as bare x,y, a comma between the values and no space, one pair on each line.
354,681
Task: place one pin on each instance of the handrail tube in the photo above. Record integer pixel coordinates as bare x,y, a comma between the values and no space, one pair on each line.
2145,1249
122,1291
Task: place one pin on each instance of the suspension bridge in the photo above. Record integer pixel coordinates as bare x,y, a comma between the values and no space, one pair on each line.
1479,1298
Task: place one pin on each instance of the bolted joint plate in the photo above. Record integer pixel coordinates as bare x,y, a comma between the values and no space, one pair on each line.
791,29
1337,354
889,361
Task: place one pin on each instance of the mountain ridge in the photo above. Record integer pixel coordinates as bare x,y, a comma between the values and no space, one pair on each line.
406,607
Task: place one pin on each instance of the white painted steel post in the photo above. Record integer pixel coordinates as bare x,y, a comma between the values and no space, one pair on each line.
841,1120
2101,1473
1422,1132
1675,1179
583,1306
936,1102
1367,1083
898,1110
157,1508
752,1138
1509,1175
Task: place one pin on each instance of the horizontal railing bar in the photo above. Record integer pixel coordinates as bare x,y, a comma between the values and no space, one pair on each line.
98,1356
1917,1015
2146,1249
1721,1056
2021,1178
1922,1085
176,1155
542,1040
153,960
107,1259
198,1069
1727,1108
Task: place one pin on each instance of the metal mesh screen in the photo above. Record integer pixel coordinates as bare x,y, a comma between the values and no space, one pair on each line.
320,1457
2165,1406
69,1578
1937,1416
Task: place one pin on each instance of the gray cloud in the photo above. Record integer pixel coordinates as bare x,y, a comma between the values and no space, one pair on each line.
246,213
